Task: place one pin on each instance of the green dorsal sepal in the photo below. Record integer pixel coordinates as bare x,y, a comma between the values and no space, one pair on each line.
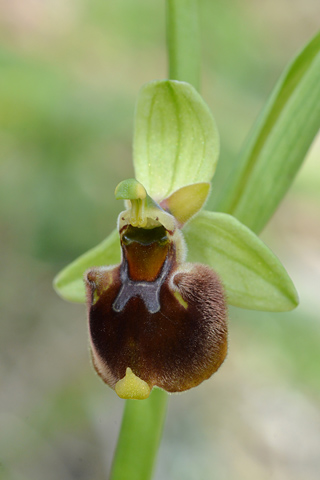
144,211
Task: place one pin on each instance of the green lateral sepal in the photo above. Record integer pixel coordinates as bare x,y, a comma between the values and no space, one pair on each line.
252,275
69,282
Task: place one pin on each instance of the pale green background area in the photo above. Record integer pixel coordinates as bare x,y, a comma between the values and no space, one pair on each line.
69,74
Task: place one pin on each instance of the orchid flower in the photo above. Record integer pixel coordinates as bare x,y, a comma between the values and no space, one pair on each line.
158,286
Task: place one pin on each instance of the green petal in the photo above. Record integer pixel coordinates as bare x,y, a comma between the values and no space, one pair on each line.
176,141
69,283
277,143
184,203
252,275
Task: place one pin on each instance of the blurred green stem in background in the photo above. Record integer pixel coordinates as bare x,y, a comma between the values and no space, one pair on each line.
143,420
183,41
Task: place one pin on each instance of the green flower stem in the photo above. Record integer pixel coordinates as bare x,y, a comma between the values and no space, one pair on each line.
139,437
183,41
143,420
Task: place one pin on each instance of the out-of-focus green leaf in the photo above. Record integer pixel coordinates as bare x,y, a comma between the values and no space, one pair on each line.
277,144
69,283
252,275
176,141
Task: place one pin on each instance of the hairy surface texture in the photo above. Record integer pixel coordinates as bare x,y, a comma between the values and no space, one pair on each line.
176,347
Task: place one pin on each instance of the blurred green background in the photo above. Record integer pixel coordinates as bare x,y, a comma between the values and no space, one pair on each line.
70,71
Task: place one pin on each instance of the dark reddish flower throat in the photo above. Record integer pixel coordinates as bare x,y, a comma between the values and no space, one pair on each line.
148,257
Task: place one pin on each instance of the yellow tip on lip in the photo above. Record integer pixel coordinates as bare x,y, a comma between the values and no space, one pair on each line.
132,387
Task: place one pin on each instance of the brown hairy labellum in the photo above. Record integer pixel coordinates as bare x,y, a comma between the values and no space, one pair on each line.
155,320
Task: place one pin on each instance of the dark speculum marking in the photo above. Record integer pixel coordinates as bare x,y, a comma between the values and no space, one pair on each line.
149,292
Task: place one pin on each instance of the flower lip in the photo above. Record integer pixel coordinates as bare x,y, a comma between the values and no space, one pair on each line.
172,341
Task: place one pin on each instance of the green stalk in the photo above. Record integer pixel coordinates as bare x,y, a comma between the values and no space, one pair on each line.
143,420
139,437
183,41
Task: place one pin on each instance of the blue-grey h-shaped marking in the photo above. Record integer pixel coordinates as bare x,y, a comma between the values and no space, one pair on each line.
149,292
